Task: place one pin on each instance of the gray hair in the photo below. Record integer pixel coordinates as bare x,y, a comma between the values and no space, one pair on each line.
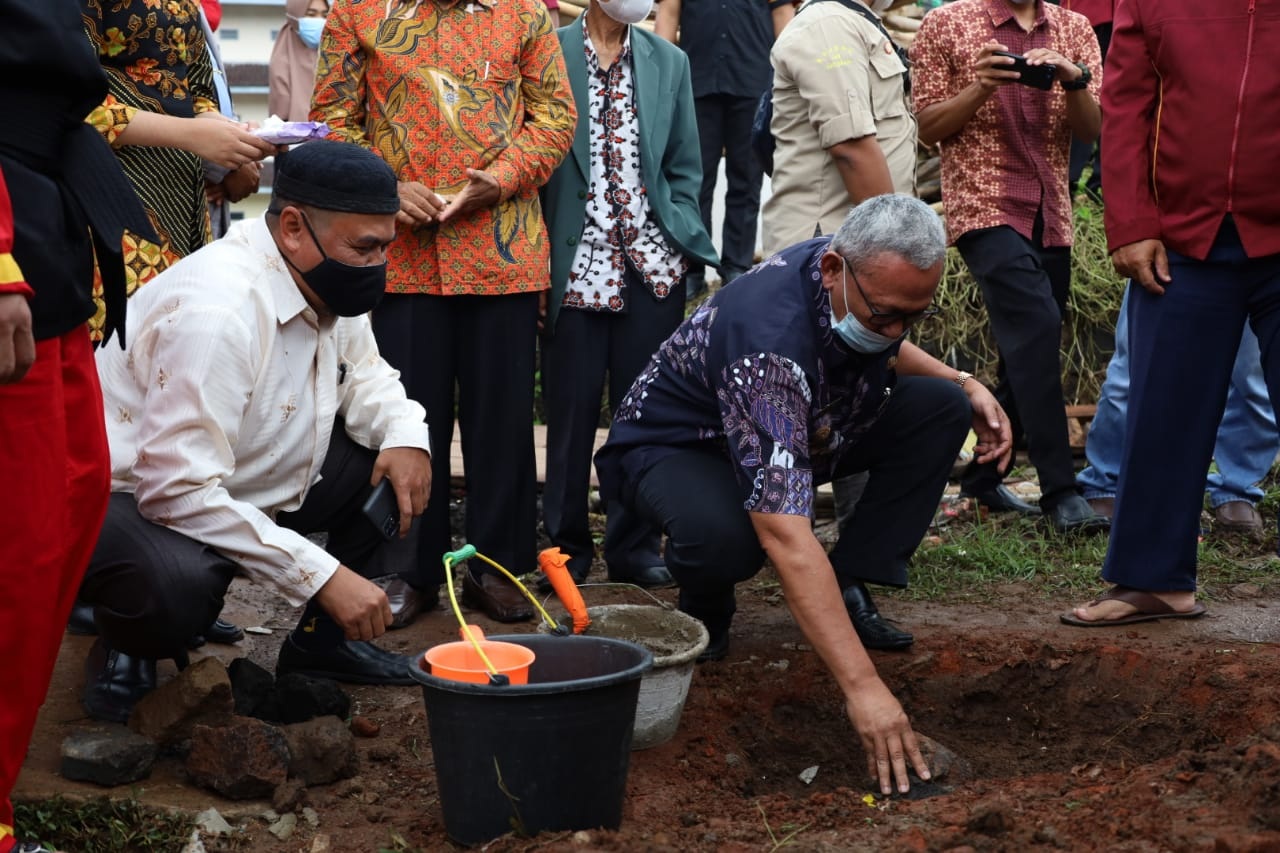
891,224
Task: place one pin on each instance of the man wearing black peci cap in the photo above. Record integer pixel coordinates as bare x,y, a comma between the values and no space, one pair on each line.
250,408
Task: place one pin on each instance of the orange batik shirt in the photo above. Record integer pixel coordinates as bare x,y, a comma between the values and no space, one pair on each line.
436,87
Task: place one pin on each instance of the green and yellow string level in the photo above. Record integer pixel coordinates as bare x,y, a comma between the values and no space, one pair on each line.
554,564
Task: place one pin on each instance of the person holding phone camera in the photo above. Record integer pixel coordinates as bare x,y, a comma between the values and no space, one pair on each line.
250,408
1002,86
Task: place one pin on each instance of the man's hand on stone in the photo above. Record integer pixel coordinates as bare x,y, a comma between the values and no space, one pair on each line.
17,343
1146,262
358,605
482,190
886,735
409,470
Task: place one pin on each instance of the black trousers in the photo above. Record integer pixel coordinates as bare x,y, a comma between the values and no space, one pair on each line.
724,126
695,497
153,588
1025,287
482,347
585,346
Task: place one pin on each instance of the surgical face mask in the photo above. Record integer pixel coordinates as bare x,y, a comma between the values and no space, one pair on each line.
309,30
346,290
626,11
854,333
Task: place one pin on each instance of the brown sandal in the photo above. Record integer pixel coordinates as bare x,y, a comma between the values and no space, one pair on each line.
1149,608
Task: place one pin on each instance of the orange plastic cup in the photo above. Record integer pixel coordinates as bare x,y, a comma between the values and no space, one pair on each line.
460,662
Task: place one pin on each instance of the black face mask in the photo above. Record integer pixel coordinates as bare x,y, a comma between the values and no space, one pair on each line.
346,290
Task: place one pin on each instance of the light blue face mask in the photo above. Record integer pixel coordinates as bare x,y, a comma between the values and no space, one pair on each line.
309,30
852,332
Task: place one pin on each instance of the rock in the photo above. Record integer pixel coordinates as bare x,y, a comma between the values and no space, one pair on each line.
199,695
311,816
364,727
288,795
943,763
212,822
109,757
254,690
284,827
300,698
245,759
321,751
320,844
194,844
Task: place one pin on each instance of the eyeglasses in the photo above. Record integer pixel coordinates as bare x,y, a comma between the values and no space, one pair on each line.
884,319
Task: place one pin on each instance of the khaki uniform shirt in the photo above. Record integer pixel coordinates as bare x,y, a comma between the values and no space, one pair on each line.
836,78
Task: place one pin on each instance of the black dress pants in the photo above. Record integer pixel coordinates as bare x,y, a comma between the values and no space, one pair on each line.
695,497
585,346
724,126
1025,287
482,347
152,588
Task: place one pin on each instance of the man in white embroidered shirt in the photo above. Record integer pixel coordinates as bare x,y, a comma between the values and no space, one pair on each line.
251,407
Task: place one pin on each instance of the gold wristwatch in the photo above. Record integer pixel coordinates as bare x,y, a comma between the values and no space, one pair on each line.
962,377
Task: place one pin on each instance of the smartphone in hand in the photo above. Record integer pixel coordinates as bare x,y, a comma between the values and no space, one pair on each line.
1036,76
382,510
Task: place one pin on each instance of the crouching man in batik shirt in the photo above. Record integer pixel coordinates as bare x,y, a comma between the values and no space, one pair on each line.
796,373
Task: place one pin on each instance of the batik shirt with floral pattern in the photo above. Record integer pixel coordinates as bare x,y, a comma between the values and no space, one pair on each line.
437,87
1009,161
758,374
619,229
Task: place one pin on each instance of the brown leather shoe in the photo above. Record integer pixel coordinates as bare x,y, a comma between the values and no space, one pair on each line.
406,601
1105,507
496,596
1238,516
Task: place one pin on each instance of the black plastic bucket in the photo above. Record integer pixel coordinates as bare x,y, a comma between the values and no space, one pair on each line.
550,755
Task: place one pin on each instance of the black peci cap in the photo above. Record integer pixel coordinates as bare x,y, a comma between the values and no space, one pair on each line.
338,176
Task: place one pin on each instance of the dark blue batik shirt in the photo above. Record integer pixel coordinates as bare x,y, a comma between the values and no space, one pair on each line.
758,374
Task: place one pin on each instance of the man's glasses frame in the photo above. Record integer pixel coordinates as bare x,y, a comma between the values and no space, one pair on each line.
884,319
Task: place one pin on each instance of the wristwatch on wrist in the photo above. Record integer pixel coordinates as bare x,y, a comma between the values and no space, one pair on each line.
962,377
1081,82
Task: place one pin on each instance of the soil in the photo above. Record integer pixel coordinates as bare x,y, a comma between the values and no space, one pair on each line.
1162,736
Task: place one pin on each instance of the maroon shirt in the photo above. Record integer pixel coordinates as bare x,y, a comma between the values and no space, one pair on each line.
1191,118
1098,12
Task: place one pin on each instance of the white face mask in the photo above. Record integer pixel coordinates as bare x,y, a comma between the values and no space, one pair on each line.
880,5
626,11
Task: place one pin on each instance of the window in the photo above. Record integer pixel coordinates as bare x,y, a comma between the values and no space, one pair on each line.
229,34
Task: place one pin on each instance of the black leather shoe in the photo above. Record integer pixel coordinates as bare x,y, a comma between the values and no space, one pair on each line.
81,621
496,596
648,577
717,648
218,632
874,631
351,662
114,682
1002,499
543,584
714,610
407,601
1073,514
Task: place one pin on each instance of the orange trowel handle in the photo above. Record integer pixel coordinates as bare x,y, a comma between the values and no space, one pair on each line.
555,565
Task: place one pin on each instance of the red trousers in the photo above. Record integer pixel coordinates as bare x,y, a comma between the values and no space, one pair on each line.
55,478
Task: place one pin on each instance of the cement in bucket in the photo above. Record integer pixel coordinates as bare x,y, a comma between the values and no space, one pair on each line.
676,639
550,755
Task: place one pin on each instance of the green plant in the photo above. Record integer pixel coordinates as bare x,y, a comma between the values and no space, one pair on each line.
102,826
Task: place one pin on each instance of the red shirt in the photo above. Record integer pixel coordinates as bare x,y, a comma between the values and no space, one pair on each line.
1098,12
1190,119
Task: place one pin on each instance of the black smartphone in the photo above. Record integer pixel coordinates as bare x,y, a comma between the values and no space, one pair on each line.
1036,76
383,510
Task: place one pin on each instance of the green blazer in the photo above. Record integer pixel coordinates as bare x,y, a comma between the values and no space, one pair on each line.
670,156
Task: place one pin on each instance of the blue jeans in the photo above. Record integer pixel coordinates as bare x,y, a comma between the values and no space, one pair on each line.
1247,440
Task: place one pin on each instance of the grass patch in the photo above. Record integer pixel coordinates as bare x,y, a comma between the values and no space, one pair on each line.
102,826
